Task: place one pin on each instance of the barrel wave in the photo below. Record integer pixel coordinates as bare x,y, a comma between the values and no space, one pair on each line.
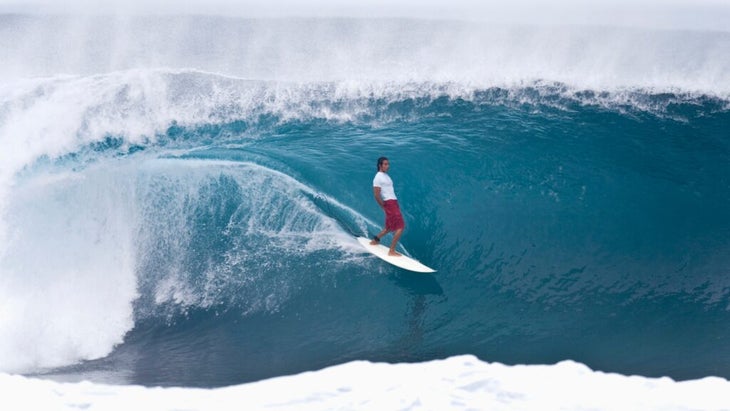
194,223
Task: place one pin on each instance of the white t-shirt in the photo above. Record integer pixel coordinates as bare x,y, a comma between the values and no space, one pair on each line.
383,181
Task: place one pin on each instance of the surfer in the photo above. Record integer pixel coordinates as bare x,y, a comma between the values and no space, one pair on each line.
385,196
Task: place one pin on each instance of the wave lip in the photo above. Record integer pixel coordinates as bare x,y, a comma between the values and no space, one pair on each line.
56,116
461,382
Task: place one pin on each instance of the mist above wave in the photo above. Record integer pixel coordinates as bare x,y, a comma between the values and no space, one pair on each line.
480,54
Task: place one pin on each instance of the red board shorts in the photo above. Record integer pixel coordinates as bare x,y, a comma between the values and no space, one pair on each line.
393,217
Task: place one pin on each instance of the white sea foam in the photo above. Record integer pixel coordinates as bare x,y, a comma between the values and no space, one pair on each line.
456,383
67,276
66,241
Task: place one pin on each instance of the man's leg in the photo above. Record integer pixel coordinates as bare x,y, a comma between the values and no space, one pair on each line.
380,235
393,244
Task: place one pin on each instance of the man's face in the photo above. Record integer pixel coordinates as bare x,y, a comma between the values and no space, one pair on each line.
385,166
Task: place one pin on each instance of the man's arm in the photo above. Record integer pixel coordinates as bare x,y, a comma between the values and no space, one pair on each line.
376,192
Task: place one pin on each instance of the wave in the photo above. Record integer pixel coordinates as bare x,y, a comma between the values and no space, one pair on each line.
142,195
229,235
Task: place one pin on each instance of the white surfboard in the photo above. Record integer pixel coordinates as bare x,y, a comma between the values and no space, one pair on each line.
403,262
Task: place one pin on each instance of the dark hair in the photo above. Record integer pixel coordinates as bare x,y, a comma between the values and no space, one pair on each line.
380,161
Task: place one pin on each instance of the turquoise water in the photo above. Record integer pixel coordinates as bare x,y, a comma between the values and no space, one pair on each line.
565,223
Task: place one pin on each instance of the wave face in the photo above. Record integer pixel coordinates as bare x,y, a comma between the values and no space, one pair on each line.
176,226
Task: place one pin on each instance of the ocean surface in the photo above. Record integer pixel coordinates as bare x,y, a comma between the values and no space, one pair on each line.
179,197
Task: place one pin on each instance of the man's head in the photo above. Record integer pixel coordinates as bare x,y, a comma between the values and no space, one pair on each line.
383,164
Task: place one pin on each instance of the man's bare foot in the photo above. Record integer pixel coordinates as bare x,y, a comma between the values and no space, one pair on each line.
373,242
394,254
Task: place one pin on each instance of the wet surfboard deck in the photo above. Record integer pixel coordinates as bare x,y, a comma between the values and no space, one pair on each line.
402,261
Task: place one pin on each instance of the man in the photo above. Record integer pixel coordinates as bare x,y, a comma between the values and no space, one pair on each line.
385,196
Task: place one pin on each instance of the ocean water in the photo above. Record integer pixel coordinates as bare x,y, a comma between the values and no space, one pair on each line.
179,197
